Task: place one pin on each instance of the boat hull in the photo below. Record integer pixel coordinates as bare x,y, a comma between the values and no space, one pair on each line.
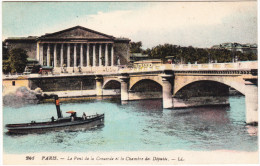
79,125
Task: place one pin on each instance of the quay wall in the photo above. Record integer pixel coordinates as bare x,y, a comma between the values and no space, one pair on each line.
11,85
50,84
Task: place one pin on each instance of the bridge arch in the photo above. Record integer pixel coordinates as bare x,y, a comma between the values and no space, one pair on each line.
147,84
202,89
239,85
112,84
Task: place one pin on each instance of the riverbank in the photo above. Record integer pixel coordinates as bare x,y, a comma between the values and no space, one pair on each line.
79,98
82,95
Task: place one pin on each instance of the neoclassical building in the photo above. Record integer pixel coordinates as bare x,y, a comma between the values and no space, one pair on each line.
73,48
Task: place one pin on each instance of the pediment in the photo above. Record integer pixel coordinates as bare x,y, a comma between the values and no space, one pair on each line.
78,32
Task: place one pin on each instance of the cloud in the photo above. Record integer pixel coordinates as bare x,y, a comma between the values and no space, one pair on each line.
198,24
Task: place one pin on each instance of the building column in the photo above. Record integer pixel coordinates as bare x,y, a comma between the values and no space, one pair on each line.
106,55
94,55
68,55
88,62
99,55
38,52
41,54
75,55
251,97
167,90
61,56
124,87
112,55
99,80
81,55
48,55
55,55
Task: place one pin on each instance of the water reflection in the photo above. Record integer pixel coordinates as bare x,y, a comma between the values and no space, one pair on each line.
206,114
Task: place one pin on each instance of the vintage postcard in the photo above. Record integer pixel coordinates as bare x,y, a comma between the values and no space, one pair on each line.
121,82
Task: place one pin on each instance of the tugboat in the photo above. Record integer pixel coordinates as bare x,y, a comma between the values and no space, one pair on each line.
71,123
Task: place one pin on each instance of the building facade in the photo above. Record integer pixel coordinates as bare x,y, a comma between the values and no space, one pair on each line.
74,48
244,48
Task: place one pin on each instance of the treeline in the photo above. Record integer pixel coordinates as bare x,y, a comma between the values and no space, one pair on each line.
14,60
190,54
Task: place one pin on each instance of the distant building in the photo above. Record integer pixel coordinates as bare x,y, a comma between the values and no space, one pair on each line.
244,48
138,57
74,47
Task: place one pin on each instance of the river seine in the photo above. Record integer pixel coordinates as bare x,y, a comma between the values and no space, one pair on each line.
136,126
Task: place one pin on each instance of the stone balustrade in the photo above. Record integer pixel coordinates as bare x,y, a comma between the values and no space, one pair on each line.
176,67
215,66
239,66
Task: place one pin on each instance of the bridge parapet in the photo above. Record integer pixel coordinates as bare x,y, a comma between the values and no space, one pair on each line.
189,67
214,66
239,68
142,68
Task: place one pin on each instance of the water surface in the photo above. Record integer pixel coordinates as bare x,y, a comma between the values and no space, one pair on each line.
136,126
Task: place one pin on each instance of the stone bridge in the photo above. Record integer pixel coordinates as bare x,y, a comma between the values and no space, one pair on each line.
187,85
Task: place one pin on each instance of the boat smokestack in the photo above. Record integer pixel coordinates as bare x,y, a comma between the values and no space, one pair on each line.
57,103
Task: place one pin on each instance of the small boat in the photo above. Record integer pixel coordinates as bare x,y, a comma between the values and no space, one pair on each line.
71,123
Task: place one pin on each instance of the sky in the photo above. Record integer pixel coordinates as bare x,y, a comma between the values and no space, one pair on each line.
198,24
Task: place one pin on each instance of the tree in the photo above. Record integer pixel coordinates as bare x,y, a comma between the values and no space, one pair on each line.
147,52
135,47
5,63
17,60
5,52
162,51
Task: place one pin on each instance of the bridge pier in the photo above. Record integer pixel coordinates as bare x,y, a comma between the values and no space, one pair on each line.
124,88
167,90
99,80
251,97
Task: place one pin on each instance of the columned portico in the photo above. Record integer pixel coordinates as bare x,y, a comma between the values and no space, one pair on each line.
76,47
94,55
48,55
99,55
112,55
38,52
88,59
41,53
75,55
68,55
106,55
55,55
81,55
61,56
51,51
